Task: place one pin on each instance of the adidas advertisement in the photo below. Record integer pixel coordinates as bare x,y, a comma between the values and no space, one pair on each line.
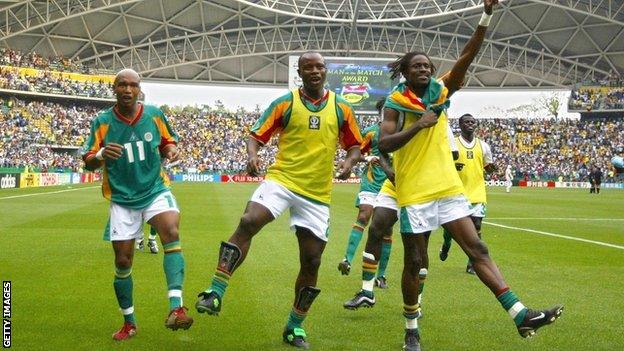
9,180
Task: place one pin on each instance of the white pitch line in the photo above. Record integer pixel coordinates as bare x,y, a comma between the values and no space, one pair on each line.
556,235
47,192
558,218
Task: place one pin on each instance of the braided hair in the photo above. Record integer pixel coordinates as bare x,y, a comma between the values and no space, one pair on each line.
401,64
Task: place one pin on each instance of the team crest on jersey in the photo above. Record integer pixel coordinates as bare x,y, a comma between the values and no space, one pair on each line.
148,137
469,154
314,122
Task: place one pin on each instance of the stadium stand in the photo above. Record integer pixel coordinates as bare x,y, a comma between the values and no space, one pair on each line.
214,141
45,134
58,76
597,97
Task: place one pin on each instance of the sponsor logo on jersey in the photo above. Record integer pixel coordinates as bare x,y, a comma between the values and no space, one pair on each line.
314,122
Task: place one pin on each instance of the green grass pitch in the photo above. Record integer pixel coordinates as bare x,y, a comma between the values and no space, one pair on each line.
62,272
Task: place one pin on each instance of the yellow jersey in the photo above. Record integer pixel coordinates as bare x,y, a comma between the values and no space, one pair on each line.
424,166
307,143
475,156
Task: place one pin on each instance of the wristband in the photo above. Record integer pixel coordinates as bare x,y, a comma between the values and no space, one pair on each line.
100,154
485,20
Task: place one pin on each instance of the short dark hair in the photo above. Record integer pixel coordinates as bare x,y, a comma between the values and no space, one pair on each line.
400,65
307,53
465,115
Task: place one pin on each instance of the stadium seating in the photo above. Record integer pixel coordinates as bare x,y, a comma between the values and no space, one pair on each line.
45,135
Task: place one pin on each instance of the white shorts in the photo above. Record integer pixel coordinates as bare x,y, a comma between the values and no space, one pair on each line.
304,212
387,201
127,223
429,216
479,210
366,198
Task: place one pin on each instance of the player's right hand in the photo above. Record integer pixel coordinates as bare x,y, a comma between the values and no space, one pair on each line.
112,151
488,5
253,166
428,119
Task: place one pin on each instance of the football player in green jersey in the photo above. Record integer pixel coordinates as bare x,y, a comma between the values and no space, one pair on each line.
373,176
128,141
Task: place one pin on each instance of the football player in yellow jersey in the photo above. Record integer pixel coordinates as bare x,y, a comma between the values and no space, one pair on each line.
310,120
429,191
475,156
385,215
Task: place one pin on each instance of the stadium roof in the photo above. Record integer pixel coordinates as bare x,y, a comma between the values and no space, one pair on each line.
530,43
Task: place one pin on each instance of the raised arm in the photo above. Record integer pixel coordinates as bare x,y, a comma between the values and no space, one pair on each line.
454,80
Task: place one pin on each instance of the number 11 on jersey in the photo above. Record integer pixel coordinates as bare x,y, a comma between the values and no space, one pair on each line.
130,151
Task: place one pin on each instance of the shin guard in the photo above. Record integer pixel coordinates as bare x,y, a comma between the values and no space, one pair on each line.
305,297
229,256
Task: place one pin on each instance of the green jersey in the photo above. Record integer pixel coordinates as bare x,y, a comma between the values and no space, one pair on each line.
372,176
137,177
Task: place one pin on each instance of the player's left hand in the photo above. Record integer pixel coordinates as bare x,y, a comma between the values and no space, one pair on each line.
344,170
488,5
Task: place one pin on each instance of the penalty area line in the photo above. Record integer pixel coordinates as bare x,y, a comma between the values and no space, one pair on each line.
47,192
556,235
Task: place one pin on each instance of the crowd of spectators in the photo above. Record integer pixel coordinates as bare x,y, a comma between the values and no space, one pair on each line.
40,134
43,80
597,98
549,149
9,57
46,82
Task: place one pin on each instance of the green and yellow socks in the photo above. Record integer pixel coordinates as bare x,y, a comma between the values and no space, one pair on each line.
303,301
229,257
220,282
123,291
295,318
173,264
354,240
386,249
369,268
512,305
411,312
